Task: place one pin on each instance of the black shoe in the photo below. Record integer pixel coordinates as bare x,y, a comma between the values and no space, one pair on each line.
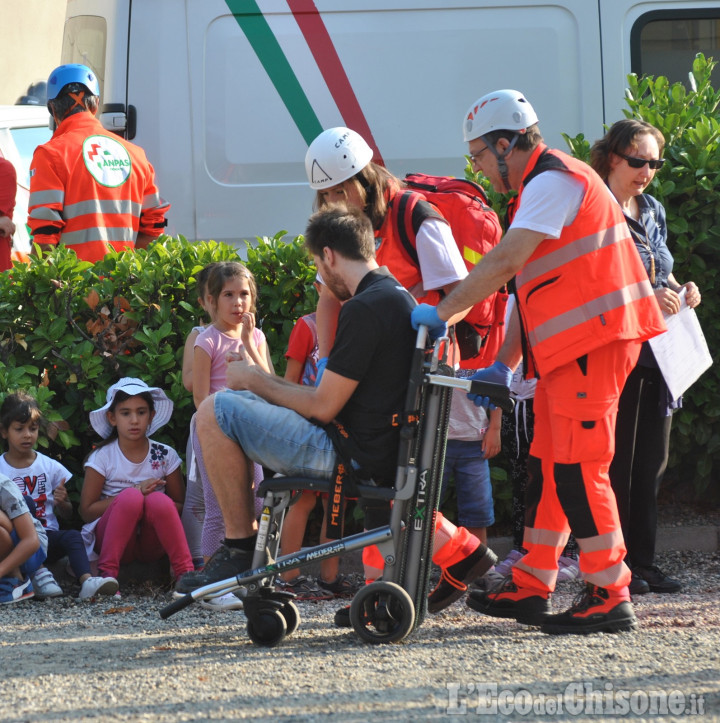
594,611
637,585
342,617
226,562
508,601
454,580
656,579
341,586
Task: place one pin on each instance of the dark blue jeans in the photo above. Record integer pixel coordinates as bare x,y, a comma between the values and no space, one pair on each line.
70,543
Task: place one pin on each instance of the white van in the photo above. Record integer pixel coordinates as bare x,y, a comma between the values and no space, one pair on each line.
226,95
22,129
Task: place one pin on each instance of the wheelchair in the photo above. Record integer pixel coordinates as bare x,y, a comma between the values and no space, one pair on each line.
387,610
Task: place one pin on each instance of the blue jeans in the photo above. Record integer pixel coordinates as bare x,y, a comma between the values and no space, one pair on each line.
70,543
275,437
464,462
33,563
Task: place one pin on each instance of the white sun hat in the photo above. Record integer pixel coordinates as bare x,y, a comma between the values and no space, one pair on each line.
132,387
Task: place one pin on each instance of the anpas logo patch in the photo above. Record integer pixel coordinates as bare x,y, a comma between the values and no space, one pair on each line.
107,160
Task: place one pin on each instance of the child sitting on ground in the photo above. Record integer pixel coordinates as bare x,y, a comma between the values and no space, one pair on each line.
133,490
43,479
23,544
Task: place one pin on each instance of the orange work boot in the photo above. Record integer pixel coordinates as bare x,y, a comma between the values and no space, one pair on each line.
526,605
595,610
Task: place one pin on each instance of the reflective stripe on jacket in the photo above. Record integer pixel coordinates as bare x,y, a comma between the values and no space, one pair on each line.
92,190
588,287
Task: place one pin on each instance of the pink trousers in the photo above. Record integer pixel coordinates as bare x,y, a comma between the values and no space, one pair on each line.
141,527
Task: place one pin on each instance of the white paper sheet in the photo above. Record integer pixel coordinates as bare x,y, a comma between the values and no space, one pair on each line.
681,352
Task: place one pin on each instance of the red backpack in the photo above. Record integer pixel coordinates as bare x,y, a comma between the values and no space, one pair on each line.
476,229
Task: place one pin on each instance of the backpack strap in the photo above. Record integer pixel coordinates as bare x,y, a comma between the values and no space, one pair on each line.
409,210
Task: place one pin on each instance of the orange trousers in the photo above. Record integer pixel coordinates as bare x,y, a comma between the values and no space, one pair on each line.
569,487
450,545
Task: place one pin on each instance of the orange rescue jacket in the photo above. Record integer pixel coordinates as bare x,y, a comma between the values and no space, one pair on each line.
588,287
92,190
390,252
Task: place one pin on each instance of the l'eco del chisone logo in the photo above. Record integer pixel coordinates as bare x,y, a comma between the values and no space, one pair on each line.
107,160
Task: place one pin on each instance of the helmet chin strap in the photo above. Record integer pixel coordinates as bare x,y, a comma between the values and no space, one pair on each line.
502,165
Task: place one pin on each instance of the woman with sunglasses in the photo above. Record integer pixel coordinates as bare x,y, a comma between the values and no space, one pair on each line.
627,158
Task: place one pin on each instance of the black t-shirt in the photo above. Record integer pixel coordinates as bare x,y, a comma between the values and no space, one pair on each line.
374,345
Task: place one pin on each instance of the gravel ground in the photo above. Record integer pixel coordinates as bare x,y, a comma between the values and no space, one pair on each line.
62,660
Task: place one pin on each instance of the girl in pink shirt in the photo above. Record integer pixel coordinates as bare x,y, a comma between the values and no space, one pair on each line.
232,294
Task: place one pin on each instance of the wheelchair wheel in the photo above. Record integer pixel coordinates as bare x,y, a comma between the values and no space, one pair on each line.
382,612
267,627
292,616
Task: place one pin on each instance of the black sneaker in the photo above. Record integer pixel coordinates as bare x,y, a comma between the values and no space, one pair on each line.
305,589
342,617
637,585
341,586
226,562
454,580
509,601
656,579
595,610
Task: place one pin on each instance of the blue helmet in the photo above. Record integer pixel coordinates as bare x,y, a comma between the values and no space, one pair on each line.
71,73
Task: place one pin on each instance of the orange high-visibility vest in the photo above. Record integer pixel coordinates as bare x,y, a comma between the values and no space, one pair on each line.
588,287
92,190
390,252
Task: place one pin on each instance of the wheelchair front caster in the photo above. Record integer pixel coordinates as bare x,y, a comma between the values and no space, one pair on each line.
267,627
382,612
292,616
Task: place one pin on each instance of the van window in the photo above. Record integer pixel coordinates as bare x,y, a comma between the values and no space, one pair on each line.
84,42
666,42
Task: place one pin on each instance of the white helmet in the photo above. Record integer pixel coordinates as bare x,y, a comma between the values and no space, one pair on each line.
503,110
334,156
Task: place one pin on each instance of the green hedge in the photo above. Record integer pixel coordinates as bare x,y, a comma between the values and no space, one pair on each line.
68,329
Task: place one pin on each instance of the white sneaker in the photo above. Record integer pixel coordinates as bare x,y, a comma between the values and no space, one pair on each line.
228,601
45,585
505,567
94,586
568,569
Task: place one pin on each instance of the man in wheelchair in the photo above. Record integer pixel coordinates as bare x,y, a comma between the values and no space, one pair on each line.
296,430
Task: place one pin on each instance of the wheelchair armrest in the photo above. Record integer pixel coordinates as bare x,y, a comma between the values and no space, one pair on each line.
313,484
283,484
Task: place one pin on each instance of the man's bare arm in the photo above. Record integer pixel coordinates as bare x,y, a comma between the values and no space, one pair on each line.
497,268
323,402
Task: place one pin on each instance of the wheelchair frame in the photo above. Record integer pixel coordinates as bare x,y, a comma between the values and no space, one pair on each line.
388,610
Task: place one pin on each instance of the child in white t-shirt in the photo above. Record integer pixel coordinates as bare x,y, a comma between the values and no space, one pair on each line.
473,439
133,489
43,480
23,544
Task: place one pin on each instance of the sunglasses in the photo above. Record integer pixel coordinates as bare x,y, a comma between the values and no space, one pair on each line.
634,162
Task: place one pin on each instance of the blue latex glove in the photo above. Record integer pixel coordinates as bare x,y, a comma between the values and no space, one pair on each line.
426,315
321,364
498,373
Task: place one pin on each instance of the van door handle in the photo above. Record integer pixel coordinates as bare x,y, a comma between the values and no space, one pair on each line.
115,118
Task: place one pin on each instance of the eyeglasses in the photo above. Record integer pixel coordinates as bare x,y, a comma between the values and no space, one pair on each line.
634,162
474,156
